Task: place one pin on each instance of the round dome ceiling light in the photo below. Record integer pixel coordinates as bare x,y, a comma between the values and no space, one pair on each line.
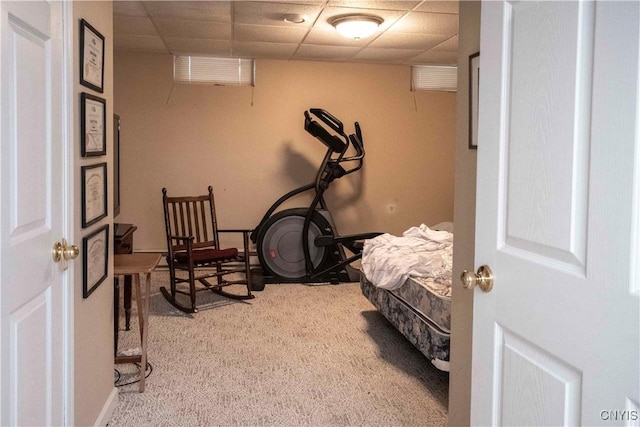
356,26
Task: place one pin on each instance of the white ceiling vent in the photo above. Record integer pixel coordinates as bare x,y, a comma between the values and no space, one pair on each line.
220,71
434,78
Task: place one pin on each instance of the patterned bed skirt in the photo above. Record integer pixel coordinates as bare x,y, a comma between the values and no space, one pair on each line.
425,335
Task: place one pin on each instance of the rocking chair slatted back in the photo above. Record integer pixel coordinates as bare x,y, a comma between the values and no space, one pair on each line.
192,216
194,248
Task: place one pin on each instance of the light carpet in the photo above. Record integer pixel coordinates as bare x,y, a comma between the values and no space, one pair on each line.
294,355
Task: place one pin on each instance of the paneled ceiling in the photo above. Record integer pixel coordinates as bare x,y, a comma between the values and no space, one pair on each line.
413,32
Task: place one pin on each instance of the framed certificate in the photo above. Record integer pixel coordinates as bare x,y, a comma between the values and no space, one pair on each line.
93,115
94,193
91,57
95,257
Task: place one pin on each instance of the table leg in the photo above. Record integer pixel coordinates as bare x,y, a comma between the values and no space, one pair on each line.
142,299
127,303
145,332
141,324
116,314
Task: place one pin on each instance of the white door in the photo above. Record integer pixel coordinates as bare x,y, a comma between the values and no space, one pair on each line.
32,297
555,342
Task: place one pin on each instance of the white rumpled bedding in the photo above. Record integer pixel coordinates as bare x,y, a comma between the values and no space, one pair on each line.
387,260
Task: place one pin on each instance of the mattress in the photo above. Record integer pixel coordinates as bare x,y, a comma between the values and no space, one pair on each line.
420,312
408,279
429,298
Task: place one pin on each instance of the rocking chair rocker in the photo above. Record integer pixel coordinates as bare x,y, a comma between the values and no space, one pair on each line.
194,249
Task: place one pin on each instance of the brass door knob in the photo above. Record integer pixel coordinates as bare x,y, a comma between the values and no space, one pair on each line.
62,251
483,279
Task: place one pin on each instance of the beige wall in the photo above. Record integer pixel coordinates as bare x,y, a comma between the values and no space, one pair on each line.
464,218
93,316
251,146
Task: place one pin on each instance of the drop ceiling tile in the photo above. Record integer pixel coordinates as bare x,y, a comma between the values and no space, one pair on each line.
129,8
213,11
327,35
451,45
268,13
133,25
436,58
384,54
138,43
438,6
242,32
193,29
263,50
428,23
327,53
308,2
407,41
372,4
199,46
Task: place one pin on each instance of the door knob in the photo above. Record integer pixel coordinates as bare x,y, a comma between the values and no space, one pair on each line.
62,251
483,279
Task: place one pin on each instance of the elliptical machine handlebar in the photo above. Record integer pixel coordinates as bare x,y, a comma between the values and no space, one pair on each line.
332,167
358,144
359,157
356,141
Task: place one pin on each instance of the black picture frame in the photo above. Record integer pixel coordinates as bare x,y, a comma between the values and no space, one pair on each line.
95,259
91,57
94,193
474,87
93,129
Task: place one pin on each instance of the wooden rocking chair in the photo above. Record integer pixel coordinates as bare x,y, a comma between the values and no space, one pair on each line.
194,248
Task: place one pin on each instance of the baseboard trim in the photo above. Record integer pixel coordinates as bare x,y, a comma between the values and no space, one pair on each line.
108,408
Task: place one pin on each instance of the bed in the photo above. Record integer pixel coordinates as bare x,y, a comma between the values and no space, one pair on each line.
408,279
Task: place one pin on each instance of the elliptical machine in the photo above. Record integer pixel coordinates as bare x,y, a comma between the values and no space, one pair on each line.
302,244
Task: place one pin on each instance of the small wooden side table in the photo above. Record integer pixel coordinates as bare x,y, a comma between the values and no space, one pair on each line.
134,265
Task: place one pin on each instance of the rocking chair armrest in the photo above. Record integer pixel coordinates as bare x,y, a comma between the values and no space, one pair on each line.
183,242
245,238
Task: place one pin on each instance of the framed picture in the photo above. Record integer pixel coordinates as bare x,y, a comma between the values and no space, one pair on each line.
94,193
91,57
93,115
474,85
95,257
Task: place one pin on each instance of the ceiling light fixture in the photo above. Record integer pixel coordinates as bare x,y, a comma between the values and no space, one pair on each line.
356,26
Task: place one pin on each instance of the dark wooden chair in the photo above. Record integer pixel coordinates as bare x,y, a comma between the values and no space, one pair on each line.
194,249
